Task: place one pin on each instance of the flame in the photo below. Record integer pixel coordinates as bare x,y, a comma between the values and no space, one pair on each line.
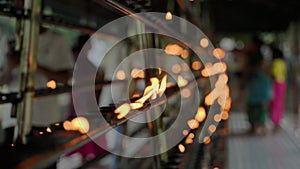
191,135
163,86
196,65
170,84
136,105
219,53
188,141
137,73
123,110
67,125
51,84
80,124
212,128
169,16
185,93
217,118
193,124
201,114
150,92
121,75
206,140
184,54
181,148
173,49
204,43
225,115
49,130
181,81
217,68
176,68
185,132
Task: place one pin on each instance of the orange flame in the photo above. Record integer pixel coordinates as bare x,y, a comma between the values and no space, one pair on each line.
193,124
181,148
123,110
80,124
150,92
51,84
201,114
181,81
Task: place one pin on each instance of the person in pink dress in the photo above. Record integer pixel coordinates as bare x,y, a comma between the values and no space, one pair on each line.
278,72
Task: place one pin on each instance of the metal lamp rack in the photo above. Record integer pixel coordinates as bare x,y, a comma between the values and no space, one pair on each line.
69,141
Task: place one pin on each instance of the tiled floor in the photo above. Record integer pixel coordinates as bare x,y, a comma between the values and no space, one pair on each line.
274,151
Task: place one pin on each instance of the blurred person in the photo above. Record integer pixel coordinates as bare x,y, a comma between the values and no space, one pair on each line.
258,86
278,72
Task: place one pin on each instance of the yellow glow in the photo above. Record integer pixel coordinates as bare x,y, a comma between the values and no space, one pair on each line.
217,118
80,124
41,132
191,135
185,67
154,83
67,125
136,105
219,53
49,130
206,140
201,114
181,148
51,84
159,71
185,54
193,124
169,16
225,115
185,93
188,141
56,124
210,70
163,86
181,81
216,167
228,103
212,128
185,132
137,73
122,110
204,42
170,84
121,75
145,97
176,68
209,100
173,49
196,65
12,145
135,95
